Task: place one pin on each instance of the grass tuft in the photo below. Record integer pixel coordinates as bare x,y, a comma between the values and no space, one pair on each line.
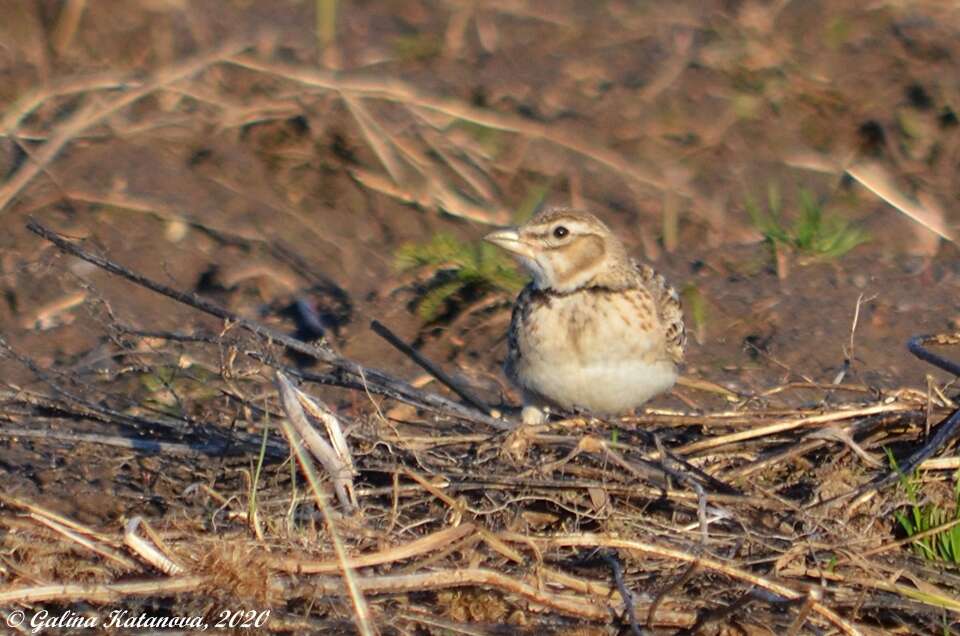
813,234
920,516
463,268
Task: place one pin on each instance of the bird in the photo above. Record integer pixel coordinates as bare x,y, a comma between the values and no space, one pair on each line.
594,330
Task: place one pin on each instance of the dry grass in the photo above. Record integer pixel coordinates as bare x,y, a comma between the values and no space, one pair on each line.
769,521
193,487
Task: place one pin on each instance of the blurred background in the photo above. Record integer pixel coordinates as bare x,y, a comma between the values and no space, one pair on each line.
316,164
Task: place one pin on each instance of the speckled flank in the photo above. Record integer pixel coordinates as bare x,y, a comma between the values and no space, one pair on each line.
606,366
669,310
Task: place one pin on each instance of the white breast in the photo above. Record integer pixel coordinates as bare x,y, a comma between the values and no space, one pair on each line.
603,352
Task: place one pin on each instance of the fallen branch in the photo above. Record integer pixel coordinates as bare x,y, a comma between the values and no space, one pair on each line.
369,378
946,430
384,332
599,541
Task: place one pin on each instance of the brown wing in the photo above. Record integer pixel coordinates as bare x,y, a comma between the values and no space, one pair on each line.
668,309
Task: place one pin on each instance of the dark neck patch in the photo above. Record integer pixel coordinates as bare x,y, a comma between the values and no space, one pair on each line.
547,295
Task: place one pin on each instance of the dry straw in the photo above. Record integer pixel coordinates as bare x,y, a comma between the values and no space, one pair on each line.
778,517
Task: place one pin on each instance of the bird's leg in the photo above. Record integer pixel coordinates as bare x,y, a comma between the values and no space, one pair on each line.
581,412
533,415
516,444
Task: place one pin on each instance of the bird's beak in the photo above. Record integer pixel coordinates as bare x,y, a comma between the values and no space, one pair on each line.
509,239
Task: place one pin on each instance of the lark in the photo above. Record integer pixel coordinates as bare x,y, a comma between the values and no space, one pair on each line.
594,331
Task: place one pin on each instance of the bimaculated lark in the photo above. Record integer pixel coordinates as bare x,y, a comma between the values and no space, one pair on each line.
594,330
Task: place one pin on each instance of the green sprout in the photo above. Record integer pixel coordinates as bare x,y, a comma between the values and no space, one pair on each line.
463,269
696,307
814,234
920,517
417,47
326,27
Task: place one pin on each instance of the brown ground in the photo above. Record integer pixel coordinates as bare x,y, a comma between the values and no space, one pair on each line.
232,179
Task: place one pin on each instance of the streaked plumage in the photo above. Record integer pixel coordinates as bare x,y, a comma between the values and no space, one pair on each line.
594,330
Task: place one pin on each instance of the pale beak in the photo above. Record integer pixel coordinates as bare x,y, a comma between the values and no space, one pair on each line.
509,239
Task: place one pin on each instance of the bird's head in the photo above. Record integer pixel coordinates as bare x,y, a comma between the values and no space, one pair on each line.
563,249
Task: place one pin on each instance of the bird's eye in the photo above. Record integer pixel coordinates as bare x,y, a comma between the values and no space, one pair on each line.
560,232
